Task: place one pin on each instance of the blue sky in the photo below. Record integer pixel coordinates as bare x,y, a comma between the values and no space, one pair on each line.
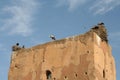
30,22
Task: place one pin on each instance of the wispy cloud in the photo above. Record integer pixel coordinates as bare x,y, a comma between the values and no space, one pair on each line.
21,15
72,4
95,6
104,6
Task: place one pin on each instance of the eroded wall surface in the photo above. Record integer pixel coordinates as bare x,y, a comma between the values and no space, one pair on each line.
82,57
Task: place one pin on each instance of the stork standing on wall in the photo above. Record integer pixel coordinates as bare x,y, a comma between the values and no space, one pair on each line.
52,37
15,47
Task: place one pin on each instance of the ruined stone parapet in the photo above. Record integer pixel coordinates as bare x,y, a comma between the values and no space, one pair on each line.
82,57
101,31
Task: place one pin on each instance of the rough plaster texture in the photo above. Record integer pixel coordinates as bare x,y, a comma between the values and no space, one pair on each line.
82,57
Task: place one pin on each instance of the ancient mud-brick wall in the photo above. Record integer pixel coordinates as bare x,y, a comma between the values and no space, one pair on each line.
82,57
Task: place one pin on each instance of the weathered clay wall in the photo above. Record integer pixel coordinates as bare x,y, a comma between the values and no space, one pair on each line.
103,60
83,57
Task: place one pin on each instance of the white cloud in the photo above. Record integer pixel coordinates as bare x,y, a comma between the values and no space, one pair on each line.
97,6
104,6
72,4
21,15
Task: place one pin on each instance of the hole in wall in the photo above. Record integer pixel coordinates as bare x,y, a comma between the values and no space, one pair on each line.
48,75
103,73
17,66
86,73
87,51
76,75
54,78
65,78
